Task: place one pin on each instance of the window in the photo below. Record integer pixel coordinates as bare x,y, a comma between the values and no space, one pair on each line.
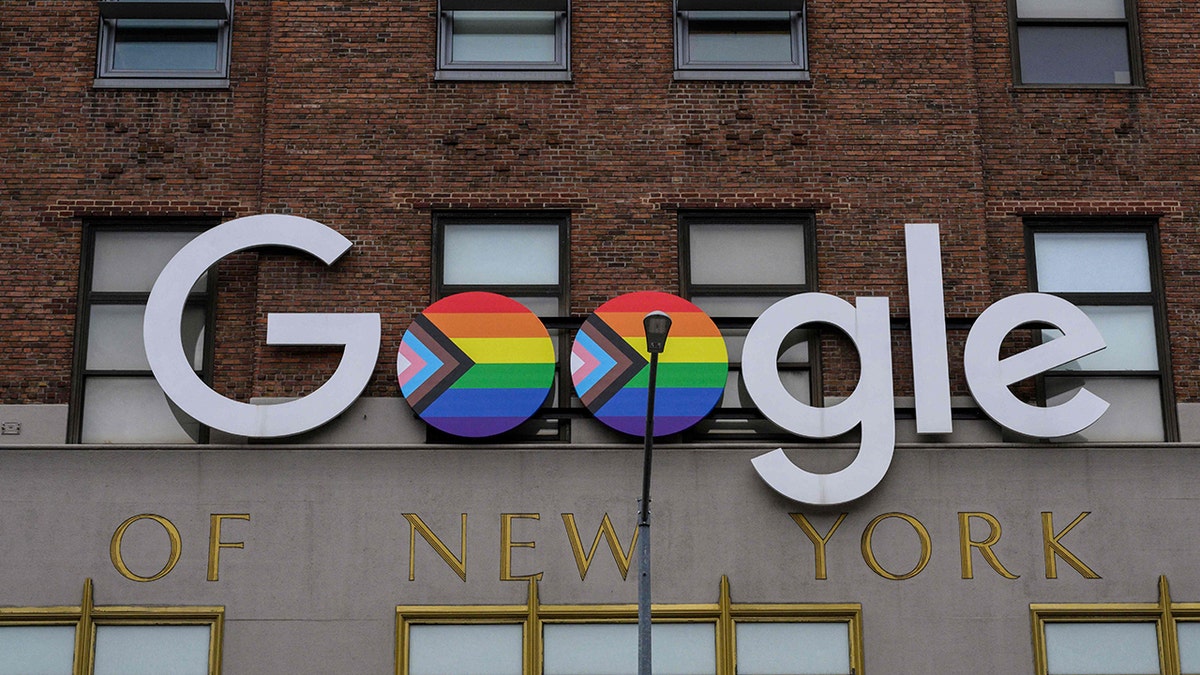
743,40
116,398
733,266
1118,638
1110,271
522,256
537,639
503,40
164,43
115,640
1075,42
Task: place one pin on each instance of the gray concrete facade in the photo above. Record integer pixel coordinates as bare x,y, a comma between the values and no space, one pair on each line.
326,543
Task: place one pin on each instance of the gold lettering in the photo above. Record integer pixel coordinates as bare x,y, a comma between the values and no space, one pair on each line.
868,552
965,544
507,545
1052,547
114,547
817,540
215,544
459,564
582,561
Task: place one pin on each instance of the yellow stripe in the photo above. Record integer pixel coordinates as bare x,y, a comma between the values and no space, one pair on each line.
507,350
686,349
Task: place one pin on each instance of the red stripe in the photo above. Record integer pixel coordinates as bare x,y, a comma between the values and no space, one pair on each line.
648,301
478,302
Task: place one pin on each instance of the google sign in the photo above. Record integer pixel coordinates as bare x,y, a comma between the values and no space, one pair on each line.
478,364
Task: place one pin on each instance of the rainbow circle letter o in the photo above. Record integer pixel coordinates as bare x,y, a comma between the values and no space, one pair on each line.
476,364
610,364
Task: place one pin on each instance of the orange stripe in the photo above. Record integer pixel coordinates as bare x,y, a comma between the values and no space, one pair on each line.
683,324
502,325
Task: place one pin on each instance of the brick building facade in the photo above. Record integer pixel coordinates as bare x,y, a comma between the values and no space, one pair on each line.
355,114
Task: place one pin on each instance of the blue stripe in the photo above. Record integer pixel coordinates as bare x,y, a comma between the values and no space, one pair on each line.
668,402
486,403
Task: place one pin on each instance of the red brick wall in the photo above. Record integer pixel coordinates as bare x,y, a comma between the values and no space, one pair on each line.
333,114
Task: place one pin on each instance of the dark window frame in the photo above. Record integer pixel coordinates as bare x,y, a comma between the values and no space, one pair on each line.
510,71
687,68
1155,299
88,298
1132,46
552,421
113,11
806,220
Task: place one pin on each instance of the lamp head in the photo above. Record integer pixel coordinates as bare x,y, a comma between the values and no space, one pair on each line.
657,325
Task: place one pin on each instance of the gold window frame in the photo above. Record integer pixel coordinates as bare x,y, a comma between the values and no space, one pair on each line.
87,616
724,615
1165,614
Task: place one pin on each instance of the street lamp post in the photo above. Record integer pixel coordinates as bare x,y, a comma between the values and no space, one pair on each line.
657,325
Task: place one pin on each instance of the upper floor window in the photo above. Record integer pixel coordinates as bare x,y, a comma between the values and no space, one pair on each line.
1111,272
1075,42
164,43
744,40
522,255
503,40
115,397
733,266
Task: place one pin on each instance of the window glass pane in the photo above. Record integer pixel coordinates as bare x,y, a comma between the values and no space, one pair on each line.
131,261
133,410
1189,647
152,650
155,44
541,306
501,254
1135,406
795,382
115,337
1071,9
526,37
747,254
1129,334
793,351
795,347
739,37
611,649
36,650
1074,54
1092,261
467,649
793,648
1129,648
717,306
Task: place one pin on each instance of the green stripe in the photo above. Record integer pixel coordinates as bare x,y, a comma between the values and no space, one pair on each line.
506,376
684,375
